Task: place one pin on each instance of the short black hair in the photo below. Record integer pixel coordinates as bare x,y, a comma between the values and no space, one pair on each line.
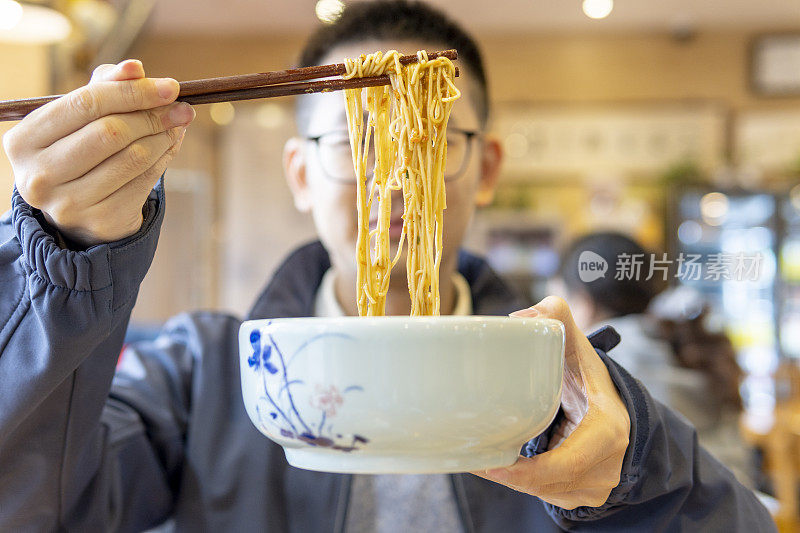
618,297
396,20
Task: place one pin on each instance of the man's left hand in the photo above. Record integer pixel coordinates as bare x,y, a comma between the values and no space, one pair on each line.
584,460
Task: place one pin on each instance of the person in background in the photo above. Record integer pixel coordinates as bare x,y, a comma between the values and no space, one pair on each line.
665,341
89,446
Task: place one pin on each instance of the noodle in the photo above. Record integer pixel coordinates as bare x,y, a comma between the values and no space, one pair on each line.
407,123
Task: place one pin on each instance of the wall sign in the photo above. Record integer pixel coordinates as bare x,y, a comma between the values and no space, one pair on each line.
584,140
775,65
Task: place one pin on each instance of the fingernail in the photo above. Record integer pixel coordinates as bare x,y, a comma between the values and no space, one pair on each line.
181,113
167,88
121,66
525,313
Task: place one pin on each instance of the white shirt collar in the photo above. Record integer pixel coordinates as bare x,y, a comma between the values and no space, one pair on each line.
326,304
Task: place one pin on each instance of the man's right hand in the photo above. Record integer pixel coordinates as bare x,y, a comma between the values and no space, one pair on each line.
89,160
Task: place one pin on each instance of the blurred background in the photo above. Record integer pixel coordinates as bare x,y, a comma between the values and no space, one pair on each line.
673,121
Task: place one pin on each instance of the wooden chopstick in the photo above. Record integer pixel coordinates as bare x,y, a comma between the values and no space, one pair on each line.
246,86
248,81
289,89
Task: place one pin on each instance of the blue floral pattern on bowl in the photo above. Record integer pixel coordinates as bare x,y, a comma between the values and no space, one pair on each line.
278,408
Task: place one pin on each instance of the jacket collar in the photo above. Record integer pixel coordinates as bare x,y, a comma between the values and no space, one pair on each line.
293,288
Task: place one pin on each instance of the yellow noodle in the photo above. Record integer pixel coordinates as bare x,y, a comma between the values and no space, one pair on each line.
408,121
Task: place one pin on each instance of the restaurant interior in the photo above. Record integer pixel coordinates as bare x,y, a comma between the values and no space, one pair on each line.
675,122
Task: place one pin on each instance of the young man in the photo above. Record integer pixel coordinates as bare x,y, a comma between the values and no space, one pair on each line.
169,437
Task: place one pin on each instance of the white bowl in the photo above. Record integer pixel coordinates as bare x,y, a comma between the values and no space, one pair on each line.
401,394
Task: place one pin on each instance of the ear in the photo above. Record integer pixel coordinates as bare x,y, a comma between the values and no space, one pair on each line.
294,169
491,159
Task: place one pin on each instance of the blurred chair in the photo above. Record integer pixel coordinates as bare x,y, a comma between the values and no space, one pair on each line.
777,433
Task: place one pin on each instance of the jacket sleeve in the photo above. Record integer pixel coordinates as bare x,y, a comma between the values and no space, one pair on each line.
668,482
65,445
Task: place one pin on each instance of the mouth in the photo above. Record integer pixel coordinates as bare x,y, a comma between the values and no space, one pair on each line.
395,226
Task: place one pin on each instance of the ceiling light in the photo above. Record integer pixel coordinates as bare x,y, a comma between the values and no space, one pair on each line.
329,11
597,9
32,24
10,14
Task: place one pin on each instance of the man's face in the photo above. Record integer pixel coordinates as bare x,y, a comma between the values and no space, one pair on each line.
332,200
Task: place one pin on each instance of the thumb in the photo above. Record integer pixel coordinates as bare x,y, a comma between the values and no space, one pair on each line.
579,356
130,69
558,309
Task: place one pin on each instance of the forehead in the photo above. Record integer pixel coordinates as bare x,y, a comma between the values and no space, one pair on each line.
328,111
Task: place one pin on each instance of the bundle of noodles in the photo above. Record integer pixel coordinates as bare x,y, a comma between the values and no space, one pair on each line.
407,123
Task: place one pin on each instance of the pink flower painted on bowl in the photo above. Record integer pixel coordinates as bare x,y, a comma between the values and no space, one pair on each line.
279,409
326,399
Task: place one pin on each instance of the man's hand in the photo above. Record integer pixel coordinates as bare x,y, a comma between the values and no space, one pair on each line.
585,457
89,160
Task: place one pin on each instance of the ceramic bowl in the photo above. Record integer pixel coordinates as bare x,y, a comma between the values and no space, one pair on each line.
401,394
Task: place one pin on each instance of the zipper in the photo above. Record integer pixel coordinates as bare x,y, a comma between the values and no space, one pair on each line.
343,503
460,494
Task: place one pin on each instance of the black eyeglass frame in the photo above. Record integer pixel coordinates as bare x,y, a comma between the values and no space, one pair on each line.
469,134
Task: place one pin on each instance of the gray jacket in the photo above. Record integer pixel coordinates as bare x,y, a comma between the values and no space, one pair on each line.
85,448
685,390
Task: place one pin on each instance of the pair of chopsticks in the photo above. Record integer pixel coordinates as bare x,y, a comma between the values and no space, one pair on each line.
246,86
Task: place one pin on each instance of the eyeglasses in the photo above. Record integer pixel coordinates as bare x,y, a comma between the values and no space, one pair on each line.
336,159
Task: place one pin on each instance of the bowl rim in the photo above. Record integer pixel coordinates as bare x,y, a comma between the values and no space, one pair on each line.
405,319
